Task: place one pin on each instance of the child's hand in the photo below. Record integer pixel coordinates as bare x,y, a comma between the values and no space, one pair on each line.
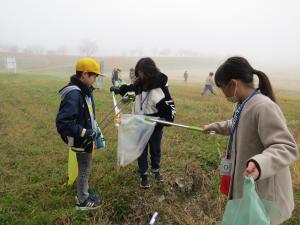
251,170
89,137
114,89
206,130
124,89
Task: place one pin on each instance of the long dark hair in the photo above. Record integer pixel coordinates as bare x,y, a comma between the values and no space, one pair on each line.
149,68
239,68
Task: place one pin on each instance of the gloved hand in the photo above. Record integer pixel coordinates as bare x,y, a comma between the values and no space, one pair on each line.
99,140
114,89
97,134
120,90
128,97
89,138
124,89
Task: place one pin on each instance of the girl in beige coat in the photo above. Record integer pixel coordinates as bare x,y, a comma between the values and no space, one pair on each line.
260,144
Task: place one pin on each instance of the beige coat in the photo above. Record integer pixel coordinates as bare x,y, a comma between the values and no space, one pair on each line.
262,135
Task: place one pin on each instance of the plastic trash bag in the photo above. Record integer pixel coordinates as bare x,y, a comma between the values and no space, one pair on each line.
134,133
249,210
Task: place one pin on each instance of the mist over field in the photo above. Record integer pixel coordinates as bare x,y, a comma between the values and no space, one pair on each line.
181,35
265,32
282,77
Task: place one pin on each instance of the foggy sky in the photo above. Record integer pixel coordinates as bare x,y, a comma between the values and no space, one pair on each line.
261,30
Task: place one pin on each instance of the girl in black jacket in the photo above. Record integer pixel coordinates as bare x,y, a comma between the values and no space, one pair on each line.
152,99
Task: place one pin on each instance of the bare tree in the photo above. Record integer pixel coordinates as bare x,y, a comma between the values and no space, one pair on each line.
9,48
187,53
154,52
132,52
13,48
88,47
165,52
35,49
62,50
139,51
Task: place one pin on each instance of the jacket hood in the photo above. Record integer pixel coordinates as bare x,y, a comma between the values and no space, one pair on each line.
160,80
65,90
75,84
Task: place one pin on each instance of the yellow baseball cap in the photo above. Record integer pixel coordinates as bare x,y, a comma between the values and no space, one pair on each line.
88,64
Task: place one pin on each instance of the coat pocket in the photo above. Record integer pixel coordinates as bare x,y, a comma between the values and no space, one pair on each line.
266,189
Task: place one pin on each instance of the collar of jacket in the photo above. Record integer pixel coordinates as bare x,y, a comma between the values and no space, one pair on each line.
84,89
160,80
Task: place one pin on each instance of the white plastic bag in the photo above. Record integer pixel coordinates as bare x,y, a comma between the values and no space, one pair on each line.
134,133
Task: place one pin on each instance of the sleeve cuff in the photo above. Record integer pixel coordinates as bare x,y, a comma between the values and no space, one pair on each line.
83,132
257,166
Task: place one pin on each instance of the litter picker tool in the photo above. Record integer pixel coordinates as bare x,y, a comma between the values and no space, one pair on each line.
116,110
174,124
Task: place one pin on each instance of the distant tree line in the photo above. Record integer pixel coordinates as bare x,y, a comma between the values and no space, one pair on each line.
90,48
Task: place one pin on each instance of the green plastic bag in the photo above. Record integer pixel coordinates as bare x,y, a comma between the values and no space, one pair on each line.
249,210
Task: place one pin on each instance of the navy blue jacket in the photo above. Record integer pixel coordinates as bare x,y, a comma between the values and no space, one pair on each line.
73,113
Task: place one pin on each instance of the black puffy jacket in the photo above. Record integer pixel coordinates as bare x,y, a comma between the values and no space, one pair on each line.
154,99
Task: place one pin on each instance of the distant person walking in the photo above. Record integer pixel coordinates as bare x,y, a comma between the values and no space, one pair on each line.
115,75
185,76
99,82
209,85
132,76
100,79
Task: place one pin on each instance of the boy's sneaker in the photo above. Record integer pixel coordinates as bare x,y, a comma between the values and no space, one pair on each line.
144,182
92,195
88,204
92,202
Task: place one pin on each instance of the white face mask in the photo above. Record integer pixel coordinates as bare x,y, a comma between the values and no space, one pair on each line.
233,98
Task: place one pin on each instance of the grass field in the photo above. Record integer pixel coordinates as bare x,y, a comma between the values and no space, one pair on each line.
33,161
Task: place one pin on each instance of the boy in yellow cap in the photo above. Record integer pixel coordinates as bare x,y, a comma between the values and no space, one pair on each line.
76,124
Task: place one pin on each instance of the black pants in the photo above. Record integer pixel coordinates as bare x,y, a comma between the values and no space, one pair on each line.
155,153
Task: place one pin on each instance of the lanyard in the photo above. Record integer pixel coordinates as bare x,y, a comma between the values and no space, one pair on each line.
235,121
90,108
143,100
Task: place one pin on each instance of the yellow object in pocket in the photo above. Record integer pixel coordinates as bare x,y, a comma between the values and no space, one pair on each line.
72,167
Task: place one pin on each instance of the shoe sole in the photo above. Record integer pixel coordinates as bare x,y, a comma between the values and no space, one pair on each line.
145,187
87,208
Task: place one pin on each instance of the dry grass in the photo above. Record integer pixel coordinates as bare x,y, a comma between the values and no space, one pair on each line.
34,159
